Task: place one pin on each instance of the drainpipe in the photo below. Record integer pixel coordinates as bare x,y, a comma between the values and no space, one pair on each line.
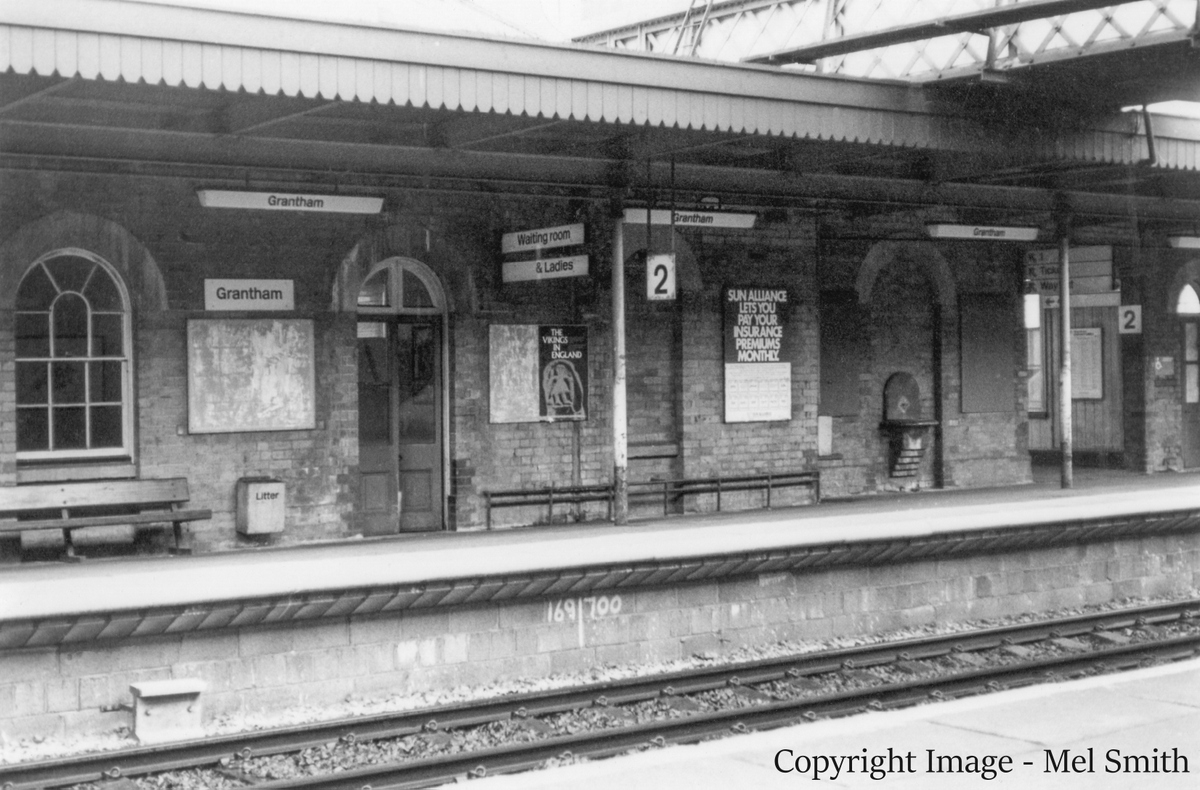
619,413
1064,344
1151,152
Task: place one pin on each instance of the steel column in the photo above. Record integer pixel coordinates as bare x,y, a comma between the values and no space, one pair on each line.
619,410
1064,373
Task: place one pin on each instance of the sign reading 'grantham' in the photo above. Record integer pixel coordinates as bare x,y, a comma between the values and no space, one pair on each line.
981,232
249,295
288,201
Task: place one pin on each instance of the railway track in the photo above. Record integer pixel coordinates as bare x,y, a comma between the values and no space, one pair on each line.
517,732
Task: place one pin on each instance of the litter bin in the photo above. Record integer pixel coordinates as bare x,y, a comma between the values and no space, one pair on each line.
260,506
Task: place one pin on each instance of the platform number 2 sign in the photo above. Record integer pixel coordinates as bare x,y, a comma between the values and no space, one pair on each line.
660,278
1130,319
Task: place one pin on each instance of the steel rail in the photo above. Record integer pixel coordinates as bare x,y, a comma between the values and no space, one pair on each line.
699,726
191,754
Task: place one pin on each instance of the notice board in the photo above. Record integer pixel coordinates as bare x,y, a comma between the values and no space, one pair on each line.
250,375
537,373
1087,364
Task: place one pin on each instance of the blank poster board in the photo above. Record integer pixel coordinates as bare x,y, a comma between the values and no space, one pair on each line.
250,375
512,362
986,325
844,348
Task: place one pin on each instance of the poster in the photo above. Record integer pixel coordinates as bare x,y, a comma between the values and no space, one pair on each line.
537,373
562,362
758,371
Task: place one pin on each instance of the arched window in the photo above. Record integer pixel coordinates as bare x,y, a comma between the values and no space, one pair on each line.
73,360
1188,302
404,286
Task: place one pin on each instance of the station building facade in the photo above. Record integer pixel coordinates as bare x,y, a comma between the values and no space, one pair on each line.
226,314
404,310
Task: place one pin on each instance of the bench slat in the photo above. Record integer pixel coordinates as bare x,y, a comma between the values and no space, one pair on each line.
101,493
154,517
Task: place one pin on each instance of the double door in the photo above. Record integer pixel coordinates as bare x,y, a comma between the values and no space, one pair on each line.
400,424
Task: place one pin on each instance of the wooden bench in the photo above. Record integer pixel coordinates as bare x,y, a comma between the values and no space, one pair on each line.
103,503
666,491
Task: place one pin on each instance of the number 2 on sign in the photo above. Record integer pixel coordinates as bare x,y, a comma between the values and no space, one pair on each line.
570,610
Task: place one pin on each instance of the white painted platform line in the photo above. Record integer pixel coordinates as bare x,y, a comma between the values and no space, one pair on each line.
1051,727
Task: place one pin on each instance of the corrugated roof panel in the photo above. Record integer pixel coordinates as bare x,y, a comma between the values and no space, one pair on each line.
65,54
451,83
547,98
308,72
20,49
467,90
608,103
172,64
152,62
435,94
641,105
43,51
211,74
532,98
625,103
190,64
737,114
563,93
110,58
289,73
252,71
88,47
381,82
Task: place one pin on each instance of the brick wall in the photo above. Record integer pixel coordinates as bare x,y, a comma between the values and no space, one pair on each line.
266,669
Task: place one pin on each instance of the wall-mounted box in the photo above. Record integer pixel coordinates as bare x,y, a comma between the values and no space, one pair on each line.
261,504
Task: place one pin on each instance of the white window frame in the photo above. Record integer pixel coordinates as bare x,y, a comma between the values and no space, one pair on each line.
125,451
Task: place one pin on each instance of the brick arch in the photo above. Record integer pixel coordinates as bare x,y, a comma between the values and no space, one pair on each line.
66,230
396,241
1187,274
923,253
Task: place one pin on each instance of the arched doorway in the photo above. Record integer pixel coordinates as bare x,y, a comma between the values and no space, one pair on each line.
401,404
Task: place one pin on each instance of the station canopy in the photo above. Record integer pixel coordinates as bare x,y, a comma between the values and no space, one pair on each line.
1014,109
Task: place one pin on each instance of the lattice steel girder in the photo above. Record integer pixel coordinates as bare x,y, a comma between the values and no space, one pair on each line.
974,22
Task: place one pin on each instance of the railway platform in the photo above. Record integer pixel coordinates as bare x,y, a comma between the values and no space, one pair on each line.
1137,730
313,627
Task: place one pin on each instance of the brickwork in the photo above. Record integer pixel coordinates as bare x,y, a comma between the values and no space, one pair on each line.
1160,277
675,366
265,669
910,290
778,252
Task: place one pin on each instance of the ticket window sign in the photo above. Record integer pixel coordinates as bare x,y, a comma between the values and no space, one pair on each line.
660,278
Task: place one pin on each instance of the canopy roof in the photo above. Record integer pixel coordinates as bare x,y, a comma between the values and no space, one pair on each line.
124,84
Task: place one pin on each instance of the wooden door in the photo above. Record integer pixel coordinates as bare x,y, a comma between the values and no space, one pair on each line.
399,425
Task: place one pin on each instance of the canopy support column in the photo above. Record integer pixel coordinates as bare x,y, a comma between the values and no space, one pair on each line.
619,407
